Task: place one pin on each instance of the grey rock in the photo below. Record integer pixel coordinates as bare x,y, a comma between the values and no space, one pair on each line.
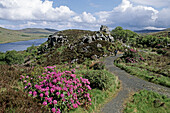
99,45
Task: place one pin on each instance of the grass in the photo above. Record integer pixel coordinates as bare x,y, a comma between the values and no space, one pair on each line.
145,74
154,68
147,102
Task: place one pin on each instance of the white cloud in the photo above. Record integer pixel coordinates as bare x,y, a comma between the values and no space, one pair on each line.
127,15
153,28
33,10
154,3
85,17
163,19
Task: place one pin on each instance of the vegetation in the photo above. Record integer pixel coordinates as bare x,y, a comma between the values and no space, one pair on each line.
72,78
11,57
147,102
151,67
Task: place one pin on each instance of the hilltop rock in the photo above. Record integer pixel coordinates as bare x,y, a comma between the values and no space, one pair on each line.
103,34
104,29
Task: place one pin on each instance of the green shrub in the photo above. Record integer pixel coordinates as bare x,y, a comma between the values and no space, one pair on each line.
13,57
100,79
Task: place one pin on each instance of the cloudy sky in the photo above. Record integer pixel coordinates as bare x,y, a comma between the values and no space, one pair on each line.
85,14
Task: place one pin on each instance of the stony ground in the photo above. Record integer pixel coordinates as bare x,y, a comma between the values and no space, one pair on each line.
130,84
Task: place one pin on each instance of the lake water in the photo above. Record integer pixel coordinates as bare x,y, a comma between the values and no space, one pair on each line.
21,45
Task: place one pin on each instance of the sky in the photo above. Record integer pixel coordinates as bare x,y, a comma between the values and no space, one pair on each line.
85,14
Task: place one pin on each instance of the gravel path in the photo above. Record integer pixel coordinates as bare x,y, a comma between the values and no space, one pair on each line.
129,84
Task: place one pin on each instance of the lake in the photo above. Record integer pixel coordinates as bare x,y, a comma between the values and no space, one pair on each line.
21,45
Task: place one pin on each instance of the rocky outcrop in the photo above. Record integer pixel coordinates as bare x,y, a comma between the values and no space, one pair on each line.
103,34
56,39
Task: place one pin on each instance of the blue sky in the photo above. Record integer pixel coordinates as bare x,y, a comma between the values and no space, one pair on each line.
85,14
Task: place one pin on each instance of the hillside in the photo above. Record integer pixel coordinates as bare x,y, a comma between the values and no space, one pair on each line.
7,35
38,31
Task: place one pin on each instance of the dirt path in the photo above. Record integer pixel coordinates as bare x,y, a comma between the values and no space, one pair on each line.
129,84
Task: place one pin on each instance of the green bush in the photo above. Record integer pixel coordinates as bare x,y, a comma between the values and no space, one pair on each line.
100,79
13,57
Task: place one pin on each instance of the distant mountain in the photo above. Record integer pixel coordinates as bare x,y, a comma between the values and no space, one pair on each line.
147,31
52,30
150,31
38,31
7,35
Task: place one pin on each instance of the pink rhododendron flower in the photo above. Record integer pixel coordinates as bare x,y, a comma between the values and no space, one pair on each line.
52,90
34,93
75,105
53,110
44,103
30,92
62,95
54,101
57,93
46,93
41,95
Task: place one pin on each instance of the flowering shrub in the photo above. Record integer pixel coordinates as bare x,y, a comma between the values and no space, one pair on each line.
60,91
132,56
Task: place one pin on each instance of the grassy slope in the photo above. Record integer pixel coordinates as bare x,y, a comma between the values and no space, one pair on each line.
7,35
147,102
